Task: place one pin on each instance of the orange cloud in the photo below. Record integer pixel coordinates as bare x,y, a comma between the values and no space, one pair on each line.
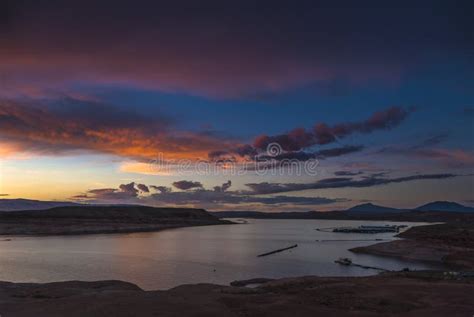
145,168
94,127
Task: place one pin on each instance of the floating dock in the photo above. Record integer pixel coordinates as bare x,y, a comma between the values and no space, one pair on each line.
277,251
369,229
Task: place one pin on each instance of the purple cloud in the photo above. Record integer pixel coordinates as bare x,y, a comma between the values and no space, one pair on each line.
218,196
347,173
162,189
186,185
337,182
322,133
224,187
143,188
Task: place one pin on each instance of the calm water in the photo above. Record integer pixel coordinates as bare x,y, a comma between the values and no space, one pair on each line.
215,254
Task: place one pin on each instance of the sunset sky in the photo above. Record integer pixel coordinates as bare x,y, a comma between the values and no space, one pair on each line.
104,101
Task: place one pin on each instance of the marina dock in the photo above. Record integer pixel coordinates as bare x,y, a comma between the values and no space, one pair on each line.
369,229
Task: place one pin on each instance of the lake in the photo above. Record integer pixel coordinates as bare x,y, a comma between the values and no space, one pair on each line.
211,254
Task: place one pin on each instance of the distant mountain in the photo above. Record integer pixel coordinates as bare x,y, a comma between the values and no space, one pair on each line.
27,204
412,215
371,208
364,209
432,212
445,206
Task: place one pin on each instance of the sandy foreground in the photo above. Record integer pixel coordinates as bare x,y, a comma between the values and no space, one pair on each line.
394,294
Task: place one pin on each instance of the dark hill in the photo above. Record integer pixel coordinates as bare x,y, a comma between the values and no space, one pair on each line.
102,219
131,212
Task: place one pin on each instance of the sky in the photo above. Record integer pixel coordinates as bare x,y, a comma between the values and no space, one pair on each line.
237,105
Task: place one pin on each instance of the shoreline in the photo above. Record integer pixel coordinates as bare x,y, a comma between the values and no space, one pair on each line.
108,231
82,220
78,227
450,245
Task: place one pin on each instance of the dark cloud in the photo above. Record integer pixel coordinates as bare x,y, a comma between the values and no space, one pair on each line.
214,198
306,156
291,145
143,188
294,140
224,187
322,134
185,185
347,173
4,195
379,174
221,47
381,120
162,189
129,189
245,151
124,192
102,191
340,151
128,193
338,182
298,156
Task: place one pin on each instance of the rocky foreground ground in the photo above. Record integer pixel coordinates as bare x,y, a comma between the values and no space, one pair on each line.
393,294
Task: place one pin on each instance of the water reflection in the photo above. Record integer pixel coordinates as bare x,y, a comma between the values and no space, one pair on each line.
212,254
